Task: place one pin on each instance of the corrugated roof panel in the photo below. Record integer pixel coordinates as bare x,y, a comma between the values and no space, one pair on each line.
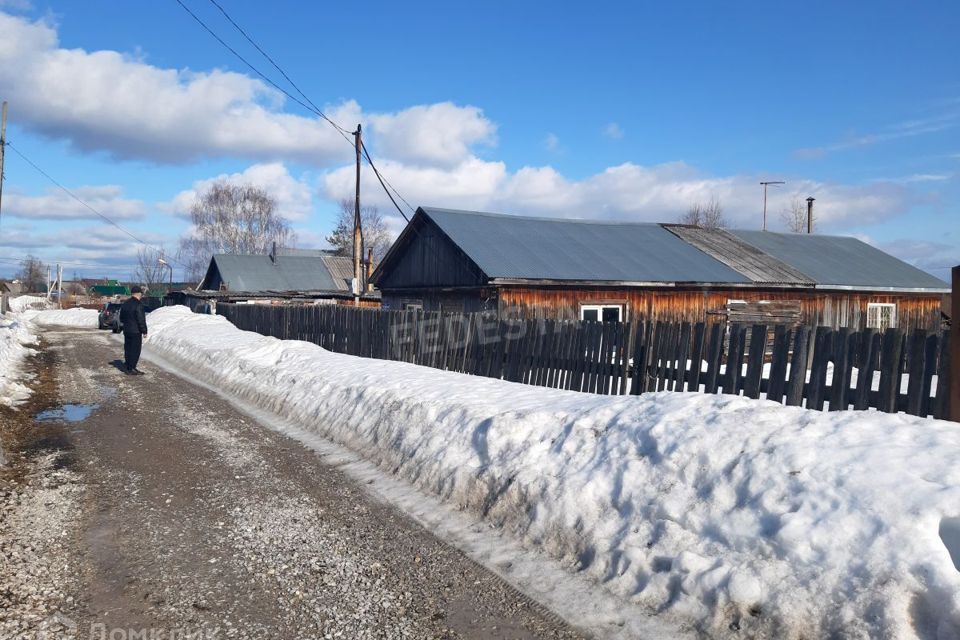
841,261
505,246
288,273
341,269
739,255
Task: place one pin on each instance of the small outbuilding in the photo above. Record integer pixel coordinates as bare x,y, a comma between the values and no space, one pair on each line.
531,267
288,275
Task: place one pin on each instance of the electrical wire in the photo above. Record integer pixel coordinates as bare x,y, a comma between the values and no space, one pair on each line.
312,108
308,104
82,202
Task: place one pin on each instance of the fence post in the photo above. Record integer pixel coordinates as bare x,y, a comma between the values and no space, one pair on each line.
953,412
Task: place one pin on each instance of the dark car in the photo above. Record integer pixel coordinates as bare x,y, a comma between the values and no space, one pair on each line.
110,317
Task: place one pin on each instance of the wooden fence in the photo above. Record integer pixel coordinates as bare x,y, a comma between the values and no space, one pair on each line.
815,367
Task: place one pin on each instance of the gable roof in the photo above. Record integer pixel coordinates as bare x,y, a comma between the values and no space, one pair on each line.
507,248
519,247
298,272
841,261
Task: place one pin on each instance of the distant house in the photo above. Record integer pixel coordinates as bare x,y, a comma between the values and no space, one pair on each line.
13,287
291,274
531,267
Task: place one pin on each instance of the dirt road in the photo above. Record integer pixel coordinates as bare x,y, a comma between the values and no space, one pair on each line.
152,504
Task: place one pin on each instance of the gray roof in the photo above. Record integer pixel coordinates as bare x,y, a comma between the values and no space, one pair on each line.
760,267
517,247
841,261
341,269
287,273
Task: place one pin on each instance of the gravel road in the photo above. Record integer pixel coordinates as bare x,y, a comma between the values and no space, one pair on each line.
156,505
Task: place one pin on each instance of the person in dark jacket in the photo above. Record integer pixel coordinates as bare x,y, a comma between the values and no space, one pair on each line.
134,323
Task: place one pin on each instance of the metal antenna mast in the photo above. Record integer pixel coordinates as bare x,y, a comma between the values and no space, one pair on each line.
768,182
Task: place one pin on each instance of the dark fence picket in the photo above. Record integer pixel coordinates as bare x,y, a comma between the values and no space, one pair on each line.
755,358
634,357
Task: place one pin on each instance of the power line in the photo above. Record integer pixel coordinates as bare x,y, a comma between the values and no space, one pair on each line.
310,105
82,202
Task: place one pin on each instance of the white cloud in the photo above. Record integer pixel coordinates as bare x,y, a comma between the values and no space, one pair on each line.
552,142
906,129
108,101
613,131
438,134
293,195
58,205
16,5
659,193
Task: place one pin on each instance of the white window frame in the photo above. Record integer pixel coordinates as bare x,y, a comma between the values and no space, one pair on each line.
599,308
875,315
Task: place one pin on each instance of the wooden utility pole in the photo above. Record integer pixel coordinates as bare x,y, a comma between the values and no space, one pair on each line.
3,149
953,411
356,225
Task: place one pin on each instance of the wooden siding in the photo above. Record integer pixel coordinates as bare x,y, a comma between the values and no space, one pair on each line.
459,301
834,309
430,259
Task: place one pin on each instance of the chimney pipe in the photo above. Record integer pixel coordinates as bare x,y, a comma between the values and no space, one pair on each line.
273,253
810,214
369,269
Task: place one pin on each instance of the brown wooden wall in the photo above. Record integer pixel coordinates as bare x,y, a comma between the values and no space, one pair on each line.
822,308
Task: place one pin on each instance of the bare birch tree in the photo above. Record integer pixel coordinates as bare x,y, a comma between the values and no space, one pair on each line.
33,275
229,218
707,215
150,273
375,234
794,216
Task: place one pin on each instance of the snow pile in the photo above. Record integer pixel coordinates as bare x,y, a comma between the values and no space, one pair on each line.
22,303
742,517
15,335
77,317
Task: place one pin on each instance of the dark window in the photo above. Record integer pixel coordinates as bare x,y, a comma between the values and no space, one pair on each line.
591,315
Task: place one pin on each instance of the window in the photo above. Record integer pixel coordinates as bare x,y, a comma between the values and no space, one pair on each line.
881,316
601,312
412,306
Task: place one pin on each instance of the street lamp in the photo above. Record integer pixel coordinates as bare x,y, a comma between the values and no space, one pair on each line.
164,263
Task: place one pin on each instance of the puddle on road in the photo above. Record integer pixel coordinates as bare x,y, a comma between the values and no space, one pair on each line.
67,413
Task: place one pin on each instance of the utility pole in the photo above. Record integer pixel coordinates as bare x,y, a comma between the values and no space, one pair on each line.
765,184
356,224
59,286
3,149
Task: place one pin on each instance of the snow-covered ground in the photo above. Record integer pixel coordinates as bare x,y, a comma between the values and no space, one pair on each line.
18,332
742,517
77,317
16,337
22,303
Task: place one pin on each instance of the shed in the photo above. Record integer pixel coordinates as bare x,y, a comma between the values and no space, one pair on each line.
289,274
531,267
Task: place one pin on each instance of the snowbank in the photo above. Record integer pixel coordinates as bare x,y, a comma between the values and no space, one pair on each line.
83,318
22,303
15,335
746,518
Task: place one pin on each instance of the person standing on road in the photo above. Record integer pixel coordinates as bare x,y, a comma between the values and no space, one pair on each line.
134,323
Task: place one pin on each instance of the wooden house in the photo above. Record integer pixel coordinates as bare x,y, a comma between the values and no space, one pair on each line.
290,275
530,267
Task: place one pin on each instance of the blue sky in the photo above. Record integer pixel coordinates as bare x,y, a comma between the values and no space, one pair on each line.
599,110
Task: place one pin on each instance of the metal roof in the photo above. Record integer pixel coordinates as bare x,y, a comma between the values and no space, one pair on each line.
760,267
341,269
517,247
839,261
287,273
